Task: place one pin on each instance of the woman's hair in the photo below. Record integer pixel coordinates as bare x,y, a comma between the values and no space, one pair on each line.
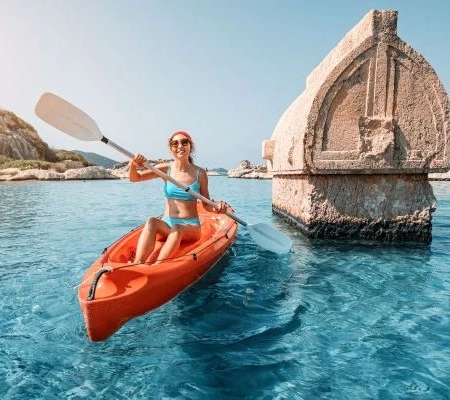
188,137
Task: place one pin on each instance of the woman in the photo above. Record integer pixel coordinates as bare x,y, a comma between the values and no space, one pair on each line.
180,221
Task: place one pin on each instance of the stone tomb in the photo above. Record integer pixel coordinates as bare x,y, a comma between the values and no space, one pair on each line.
350,156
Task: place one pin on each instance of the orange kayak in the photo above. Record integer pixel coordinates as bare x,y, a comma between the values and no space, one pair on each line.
114,290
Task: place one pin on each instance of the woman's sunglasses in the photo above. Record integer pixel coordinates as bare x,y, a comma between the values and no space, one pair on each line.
175,143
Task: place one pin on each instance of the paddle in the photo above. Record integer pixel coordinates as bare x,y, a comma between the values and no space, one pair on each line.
71,120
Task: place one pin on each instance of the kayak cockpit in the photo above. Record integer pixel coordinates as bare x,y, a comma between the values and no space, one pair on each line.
124,250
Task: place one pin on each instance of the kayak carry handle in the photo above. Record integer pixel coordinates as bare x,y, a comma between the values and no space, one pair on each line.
99,273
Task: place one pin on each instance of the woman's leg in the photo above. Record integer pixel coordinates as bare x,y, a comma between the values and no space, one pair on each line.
178,233
147,239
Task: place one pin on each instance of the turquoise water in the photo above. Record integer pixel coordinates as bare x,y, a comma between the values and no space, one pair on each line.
332,320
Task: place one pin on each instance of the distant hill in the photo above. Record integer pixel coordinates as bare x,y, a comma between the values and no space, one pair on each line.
97,159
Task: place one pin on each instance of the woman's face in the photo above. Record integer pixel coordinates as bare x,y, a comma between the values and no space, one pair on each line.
180,146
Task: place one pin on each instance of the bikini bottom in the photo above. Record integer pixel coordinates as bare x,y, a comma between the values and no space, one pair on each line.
180,221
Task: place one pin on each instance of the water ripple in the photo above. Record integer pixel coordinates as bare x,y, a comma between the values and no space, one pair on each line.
331,320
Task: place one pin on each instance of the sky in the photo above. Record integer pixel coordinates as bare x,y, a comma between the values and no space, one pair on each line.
224,70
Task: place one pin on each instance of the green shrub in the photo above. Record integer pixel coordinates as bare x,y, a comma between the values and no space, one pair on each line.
6,162
70,155
62,155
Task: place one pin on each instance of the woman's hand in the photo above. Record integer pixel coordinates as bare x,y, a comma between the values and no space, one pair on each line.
222,207
138,160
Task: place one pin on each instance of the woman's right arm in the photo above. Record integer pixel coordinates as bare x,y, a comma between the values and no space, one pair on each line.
139,176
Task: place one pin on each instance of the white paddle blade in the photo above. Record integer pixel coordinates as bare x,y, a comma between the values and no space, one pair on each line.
69,119
269,238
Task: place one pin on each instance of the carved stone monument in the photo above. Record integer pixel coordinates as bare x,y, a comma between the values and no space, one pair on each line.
350,156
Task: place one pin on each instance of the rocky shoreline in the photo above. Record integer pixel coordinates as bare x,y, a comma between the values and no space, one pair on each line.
87,173
244,171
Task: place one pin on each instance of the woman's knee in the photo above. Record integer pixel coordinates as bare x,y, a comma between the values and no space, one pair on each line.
151,224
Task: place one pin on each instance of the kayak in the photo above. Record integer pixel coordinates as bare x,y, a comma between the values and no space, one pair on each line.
114,290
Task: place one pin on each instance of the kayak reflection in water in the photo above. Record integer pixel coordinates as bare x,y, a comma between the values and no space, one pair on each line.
180,221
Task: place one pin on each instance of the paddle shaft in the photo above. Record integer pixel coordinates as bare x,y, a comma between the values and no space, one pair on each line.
157,171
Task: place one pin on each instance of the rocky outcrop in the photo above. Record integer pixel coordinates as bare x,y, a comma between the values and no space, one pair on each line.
247,170
19,140
88,173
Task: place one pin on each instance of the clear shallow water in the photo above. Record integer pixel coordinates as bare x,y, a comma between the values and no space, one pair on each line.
332,320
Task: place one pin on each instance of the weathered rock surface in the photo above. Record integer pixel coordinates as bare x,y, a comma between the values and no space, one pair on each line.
381,207
19,140
247,170
373,105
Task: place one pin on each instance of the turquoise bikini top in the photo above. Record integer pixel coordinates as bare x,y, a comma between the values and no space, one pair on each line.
173,192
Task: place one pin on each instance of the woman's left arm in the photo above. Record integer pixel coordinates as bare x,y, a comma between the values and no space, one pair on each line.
204,191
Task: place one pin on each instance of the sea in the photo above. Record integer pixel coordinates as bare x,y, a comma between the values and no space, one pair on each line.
330,320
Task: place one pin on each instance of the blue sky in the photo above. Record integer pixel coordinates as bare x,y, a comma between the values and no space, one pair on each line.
223,70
